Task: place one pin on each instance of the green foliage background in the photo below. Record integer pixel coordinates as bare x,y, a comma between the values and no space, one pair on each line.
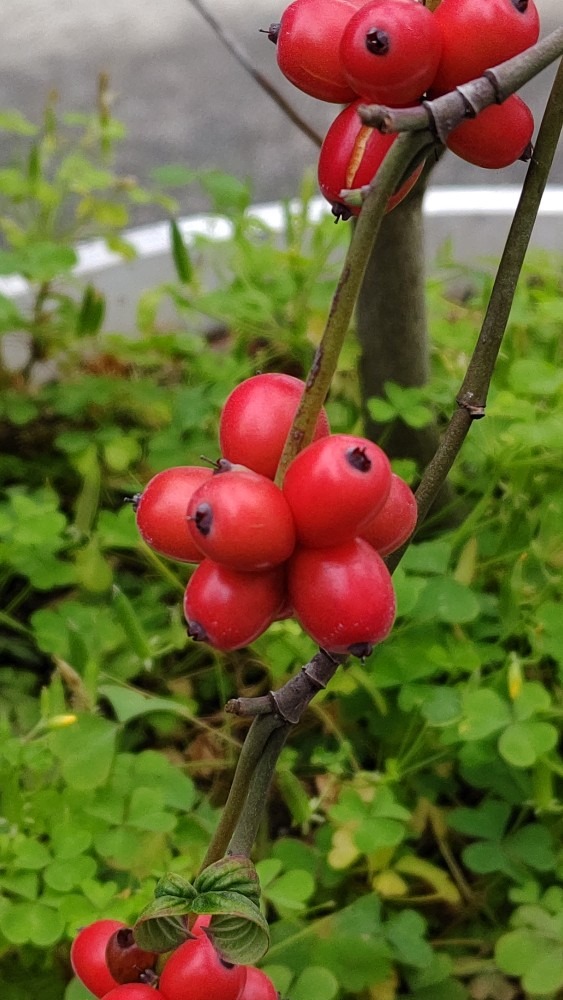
413,843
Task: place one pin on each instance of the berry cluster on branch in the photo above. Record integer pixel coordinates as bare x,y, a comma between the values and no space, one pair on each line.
311,548
396,53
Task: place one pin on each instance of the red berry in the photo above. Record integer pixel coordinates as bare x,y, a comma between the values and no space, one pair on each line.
342,596
396,520
350,157
229,609
334,486
257,418
195,972
479,34
242,520
307,47
162,509
134,991
390,50
497,137
258,986
125,960
88,956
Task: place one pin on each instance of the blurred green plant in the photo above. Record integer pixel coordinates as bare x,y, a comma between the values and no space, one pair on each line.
413,845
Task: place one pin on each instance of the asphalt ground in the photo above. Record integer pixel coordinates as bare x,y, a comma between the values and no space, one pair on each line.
182,96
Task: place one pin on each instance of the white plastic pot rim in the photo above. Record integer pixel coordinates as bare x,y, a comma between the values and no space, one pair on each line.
154,240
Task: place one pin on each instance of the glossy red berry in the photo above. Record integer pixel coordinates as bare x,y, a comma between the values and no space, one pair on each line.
497,137
134,991
125,960
242,520
88,956
478,35
195,972
390,51
258,986
334,486
350,156
342,596
396,520
229,609
307,47
257,418
162,509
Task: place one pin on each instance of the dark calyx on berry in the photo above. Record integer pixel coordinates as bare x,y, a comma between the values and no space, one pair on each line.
274,31
197,632
222,465
134,500
377,42
203,518
340,212
357,458
521,5
361,649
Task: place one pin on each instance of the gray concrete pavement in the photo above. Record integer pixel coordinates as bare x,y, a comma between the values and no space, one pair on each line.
182,96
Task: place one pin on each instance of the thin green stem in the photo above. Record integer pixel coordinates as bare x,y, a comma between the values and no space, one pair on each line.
251,752
397,162
249,820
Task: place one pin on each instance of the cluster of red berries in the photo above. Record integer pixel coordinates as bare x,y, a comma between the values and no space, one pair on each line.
107,960
393,52
311,549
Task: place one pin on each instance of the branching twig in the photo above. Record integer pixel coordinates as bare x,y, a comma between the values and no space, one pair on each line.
472,396
444,113
236,50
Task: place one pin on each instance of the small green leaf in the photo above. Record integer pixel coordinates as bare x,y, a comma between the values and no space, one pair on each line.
241,936
91,313
405,931
442,707
180,254
173,175
129,704
162,928
32,922
233,874
428,557
32,855
488,820
64,875
86,751
522,743
161,925
538,960
291,890
315,981
485,712
24,884
129,620
175,886
146,811
13,121
448,601
381,411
